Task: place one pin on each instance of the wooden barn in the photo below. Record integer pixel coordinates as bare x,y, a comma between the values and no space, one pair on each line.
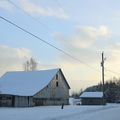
92,98
34,88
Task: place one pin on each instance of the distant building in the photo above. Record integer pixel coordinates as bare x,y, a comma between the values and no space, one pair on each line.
34,88
92,98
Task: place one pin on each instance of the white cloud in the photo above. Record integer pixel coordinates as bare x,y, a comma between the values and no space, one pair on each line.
83,37
35,9
12,58
104,31
81,44
4,4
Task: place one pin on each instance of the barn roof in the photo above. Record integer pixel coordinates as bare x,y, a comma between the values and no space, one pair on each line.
25,83
91,95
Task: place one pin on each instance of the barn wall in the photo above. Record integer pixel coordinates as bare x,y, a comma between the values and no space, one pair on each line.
43,101
15,101
31,103
92,101
5,101
55,94
21,101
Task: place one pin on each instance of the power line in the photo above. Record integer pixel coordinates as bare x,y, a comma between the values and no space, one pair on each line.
53,46
111,71
29,15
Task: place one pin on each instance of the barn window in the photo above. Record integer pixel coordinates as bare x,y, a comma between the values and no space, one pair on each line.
56,84
56,76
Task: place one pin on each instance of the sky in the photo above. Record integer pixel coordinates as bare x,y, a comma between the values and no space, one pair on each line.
81,28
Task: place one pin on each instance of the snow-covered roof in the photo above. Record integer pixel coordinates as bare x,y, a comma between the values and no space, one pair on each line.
91,95
26,83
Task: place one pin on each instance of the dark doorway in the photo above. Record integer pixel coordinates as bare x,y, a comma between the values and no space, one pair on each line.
13,101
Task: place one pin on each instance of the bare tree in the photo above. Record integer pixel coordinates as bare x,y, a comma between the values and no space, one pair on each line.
30,65
26,65
33,64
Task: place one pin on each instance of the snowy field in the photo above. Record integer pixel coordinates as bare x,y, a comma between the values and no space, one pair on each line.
71,112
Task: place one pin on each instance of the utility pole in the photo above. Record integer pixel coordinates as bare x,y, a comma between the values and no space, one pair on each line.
102,65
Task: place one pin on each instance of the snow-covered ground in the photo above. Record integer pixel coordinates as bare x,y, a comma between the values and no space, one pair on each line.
71,112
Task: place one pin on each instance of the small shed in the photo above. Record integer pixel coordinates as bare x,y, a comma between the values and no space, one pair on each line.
92,98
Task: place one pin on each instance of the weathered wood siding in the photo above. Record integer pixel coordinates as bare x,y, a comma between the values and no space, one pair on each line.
15,101
21,101
92,101
55,93
5,101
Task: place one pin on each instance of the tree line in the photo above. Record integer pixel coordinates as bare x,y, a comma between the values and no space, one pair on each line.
111,90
